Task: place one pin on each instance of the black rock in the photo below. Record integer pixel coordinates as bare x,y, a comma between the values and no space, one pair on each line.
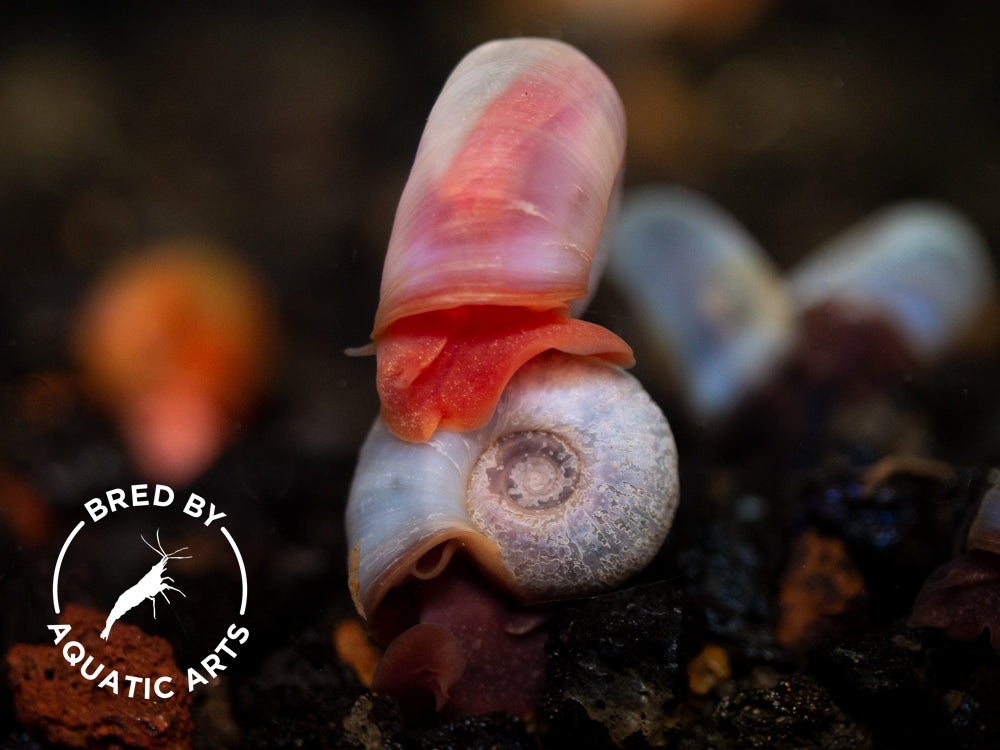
881,679
613,674
796,713
299,698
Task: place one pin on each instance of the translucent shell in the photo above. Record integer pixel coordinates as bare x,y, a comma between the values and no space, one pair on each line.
713,307
984,533
569,489
921,266
498,230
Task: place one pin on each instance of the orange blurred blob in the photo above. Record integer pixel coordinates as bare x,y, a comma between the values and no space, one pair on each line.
707,669
356,650
177,344
822,592
704,21
24,510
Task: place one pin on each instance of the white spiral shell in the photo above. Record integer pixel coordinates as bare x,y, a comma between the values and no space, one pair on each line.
500,493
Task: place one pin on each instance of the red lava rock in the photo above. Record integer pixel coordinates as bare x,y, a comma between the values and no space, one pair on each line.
822,588
56,700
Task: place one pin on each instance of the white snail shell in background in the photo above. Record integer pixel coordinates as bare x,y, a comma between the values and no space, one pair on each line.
713,307
569,489
500,228
984,533
921,266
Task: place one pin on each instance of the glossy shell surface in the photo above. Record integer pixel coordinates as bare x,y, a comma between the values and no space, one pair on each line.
510,186
500,234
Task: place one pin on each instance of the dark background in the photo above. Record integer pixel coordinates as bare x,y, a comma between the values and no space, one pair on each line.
286,131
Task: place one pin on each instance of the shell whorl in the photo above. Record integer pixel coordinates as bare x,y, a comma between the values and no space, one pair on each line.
568,490
523,150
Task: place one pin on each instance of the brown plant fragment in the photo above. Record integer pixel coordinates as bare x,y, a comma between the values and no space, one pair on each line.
56,700
821,589
885,468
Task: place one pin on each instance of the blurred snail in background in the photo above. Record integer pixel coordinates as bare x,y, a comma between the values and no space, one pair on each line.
714,310
886,297
961,596
514,462
176,342
914,277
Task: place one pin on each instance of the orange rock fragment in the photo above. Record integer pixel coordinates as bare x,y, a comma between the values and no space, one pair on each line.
356,650
820,591
56,700
707,669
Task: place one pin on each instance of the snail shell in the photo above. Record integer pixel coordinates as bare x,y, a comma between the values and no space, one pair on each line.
921,266
984,533
569,489
498,230
713,308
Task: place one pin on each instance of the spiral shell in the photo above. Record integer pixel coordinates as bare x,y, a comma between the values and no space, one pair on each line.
569,489
498,230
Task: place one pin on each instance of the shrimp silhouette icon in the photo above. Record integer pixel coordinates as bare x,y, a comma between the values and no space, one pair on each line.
152,583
